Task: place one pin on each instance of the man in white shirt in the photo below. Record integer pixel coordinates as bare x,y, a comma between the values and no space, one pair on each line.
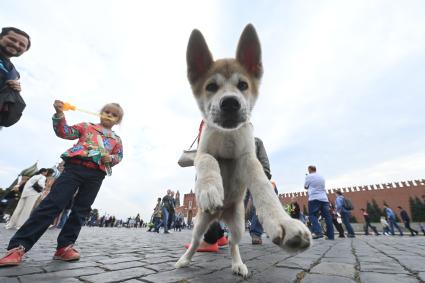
318,202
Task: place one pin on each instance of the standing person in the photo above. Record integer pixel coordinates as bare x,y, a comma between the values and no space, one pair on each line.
367,223
406,220
256,229
30,194
294,209
156,216
336,220
391,219
137,219
172,215
167,204
13,43
318,202
345,213
85,169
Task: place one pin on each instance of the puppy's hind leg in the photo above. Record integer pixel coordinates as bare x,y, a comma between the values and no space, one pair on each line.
202,223
235,221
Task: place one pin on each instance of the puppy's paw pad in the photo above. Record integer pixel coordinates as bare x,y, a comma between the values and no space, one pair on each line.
289,234
297,236
240,269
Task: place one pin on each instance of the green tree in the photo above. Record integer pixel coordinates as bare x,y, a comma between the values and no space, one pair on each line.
417,209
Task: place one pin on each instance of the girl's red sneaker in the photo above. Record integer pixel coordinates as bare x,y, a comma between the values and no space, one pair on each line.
67,253
223,242
205,247
13,257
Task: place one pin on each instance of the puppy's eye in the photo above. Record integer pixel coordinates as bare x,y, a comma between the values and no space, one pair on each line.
212,87
242,85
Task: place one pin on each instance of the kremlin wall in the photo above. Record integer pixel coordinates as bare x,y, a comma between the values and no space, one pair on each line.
394,194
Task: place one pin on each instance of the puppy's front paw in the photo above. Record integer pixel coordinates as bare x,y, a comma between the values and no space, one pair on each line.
240,269
210,198
291,235
182,262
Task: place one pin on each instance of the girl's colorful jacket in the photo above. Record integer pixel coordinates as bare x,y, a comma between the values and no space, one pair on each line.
87,147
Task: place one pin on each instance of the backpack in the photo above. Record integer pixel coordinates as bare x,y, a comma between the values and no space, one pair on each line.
11,102
348,205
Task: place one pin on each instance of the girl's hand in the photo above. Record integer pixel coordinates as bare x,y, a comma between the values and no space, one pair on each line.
58,105
14,84
106,158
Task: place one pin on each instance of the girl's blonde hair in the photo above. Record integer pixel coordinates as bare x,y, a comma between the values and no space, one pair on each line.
120,110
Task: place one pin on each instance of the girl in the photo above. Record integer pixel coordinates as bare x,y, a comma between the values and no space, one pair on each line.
86,163
29,197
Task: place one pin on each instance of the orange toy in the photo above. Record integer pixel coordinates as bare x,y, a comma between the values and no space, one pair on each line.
67,106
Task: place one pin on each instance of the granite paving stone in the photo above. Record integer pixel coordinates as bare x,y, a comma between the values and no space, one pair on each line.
314,278
134,256
59,275
334,268
118,275
372,277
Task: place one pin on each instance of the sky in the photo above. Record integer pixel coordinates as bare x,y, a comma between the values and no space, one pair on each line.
343,88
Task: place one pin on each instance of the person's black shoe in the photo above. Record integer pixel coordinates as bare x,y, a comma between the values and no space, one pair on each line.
351,236
316,236
166,232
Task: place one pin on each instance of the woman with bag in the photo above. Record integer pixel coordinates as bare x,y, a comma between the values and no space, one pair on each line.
30,194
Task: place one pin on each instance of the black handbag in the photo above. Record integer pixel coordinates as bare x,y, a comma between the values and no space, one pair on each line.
37,187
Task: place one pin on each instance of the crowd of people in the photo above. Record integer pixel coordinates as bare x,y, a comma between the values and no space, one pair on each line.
319,207
94,220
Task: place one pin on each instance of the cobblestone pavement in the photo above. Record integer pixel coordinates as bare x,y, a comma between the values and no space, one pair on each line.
134,255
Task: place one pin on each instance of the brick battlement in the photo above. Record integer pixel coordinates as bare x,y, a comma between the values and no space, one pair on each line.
394,194
383,186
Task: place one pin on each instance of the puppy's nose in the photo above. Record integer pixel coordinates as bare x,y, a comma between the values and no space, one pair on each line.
230,104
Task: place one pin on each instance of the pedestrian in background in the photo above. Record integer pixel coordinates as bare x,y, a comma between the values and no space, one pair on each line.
336,219
367,223
385,226
30,194
392,219
318,202
256,229
345,213
406,220
166,206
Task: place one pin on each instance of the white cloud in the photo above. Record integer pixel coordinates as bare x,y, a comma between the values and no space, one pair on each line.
398,169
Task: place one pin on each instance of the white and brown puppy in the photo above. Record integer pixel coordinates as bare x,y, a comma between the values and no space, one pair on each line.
226,164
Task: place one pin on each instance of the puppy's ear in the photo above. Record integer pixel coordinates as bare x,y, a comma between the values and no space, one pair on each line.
198,56
248,52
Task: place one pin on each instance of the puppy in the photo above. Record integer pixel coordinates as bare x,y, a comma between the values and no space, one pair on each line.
226,164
